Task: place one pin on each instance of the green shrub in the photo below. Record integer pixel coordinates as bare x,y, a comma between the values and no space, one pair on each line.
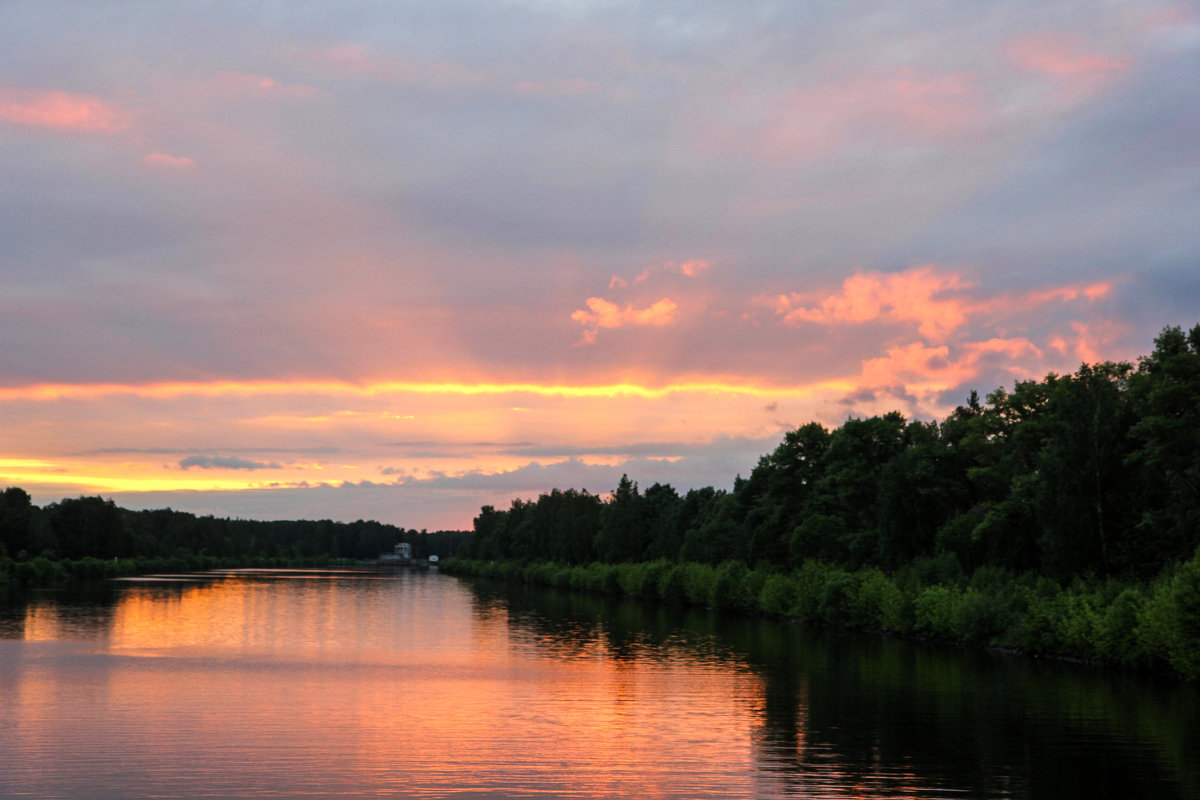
838,599
880,603
980,616
1039,621
652,576
40,570
671,586
936,611
810,582
1078,627
1169,626
927,571
629,578
698,583
612,579
1116,634
590,577
778,595
734,588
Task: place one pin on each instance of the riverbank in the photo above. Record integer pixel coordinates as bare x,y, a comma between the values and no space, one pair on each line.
1151,626
47,571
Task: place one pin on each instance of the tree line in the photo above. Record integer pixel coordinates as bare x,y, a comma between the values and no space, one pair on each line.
95,529
1093,473
1061,517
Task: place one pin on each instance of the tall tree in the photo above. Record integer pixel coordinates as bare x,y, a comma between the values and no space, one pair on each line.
1166,397
622,534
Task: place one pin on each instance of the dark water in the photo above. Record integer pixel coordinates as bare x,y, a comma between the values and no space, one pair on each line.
418,685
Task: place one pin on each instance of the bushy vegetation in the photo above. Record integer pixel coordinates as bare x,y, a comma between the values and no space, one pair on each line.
1061,516
1147,626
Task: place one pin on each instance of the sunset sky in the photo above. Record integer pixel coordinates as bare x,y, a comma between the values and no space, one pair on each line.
399,260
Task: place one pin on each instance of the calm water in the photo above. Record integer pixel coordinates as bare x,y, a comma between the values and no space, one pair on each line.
417,685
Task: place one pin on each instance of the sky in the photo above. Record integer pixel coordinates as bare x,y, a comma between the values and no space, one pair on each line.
397,261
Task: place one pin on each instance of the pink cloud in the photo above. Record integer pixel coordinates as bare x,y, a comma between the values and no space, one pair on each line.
358,59
936,105
355,59
1089,291
936,301
574,86
60,111
689,268
261,86
904,364
926,370
1061,56
168,161
1022,301
810,122
1088,342
601,313
918,295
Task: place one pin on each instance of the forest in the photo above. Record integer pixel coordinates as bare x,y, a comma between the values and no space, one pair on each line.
90,537
1061,516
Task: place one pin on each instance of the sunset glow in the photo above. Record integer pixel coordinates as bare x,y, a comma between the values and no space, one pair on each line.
444,257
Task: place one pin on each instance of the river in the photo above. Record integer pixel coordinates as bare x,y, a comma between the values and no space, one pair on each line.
329,684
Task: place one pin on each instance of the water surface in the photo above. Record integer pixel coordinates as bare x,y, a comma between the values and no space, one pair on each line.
418,685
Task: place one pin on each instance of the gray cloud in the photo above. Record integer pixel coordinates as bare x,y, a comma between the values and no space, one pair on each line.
400,191
224,462
451,501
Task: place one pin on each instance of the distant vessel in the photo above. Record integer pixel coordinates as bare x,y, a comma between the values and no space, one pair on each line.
401,555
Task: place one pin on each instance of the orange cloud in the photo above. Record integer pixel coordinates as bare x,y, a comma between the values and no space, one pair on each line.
60,111
913,296
689,268
924,370
1061,56
919,295
53,447
1090,291
1087,342
601,313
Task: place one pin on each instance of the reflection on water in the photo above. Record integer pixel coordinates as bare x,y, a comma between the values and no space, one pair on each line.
418,685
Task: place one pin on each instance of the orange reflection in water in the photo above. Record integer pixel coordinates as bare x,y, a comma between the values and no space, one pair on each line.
42,624
253,687
381,682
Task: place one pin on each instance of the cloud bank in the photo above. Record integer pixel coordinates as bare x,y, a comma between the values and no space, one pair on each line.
553,242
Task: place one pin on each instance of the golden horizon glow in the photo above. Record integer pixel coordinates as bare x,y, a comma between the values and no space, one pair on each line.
172,389
114,483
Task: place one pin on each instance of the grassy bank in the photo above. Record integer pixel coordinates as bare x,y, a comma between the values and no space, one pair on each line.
1152,625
